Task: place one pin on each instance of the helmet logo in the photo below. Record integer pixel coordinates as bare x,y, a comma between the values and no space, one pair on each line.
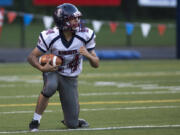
77,14
59,12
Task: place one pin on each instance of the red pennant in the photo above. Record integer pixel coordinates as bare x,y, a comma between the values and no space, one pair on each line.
11,16
161,29
113,26
1,19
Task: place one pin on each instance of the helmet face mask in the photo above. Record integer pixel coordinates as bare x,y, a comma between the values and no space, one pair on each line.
63,16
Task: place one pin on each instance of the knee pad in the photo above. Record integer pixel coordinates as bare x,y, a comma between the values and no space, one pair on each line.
49,89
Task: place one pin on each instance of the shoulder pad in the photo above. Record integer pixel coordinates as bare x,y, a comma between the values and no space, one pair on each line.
49,35
86,34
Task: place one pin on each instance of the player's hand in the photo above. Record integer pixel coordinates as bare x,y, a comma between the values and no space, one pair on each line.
83,51
49,68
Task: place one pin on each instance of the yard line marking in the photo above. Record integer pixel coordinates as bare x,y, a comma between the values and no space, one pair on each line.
100,102
128,102
128,74
7,85
20,96
100,109
131,108
21,112
101,94
38,78
128,93
94,129
134,85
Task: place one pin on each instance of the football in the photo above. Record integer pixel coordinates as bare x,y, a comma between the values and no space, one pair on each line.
54,60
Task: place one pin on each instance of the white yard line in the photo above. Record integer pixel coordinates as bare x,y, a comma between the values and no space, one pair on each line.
94,129
7,85
21,112
100,109
129,93
129,74
38,78
143,86
101,94
131,108
20,96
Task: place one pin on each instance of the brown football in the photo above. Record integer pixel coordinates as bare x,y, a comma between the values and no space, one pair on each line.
54,60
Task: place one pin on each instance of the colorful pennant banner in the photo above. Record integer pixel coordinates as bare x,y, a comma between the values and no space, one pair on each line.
145,28
113,26
48,21
11,16
129,28
161,29
97,25
27,19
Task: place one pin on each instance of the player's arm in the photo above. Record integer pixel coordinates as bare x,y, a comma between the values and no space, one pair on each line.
91,56
33,60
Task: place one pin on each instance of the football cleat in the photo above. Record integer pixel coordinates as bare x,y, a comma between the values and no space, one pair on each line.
82,123
34,125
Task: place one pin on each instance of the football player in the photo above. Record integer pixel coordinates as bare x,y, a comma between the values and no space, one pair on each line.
69,41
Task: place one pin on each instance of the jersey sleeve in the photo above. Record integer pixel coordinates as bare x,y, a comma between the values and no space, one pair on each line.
45,39
42,45
90,43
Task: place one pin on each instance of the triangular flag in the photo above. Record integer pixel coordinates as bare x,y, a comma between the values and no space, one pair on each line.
129,28
47,20
113,26
27,19
145,28
97,25
11,16
161,29
1,19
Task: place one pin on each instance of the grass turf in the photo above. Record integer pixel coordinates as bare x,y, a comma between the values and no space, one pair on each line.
118,94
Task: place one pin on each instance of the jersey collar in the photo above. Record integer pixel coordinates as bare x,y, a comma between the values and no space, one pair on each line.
66,43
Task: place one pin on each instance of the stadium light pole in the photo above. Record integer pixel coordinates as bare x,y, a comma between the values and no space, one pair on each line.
178,30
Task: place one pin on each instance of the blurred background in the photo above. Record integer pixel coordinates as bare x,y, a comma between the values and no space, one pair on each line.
125,29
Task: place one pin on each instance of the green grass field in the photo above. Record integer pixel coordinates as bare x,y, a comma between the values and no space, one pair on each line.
134,97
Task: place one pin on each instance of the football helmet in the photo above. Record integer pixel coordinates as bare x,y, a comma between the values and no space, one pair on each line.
63,14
